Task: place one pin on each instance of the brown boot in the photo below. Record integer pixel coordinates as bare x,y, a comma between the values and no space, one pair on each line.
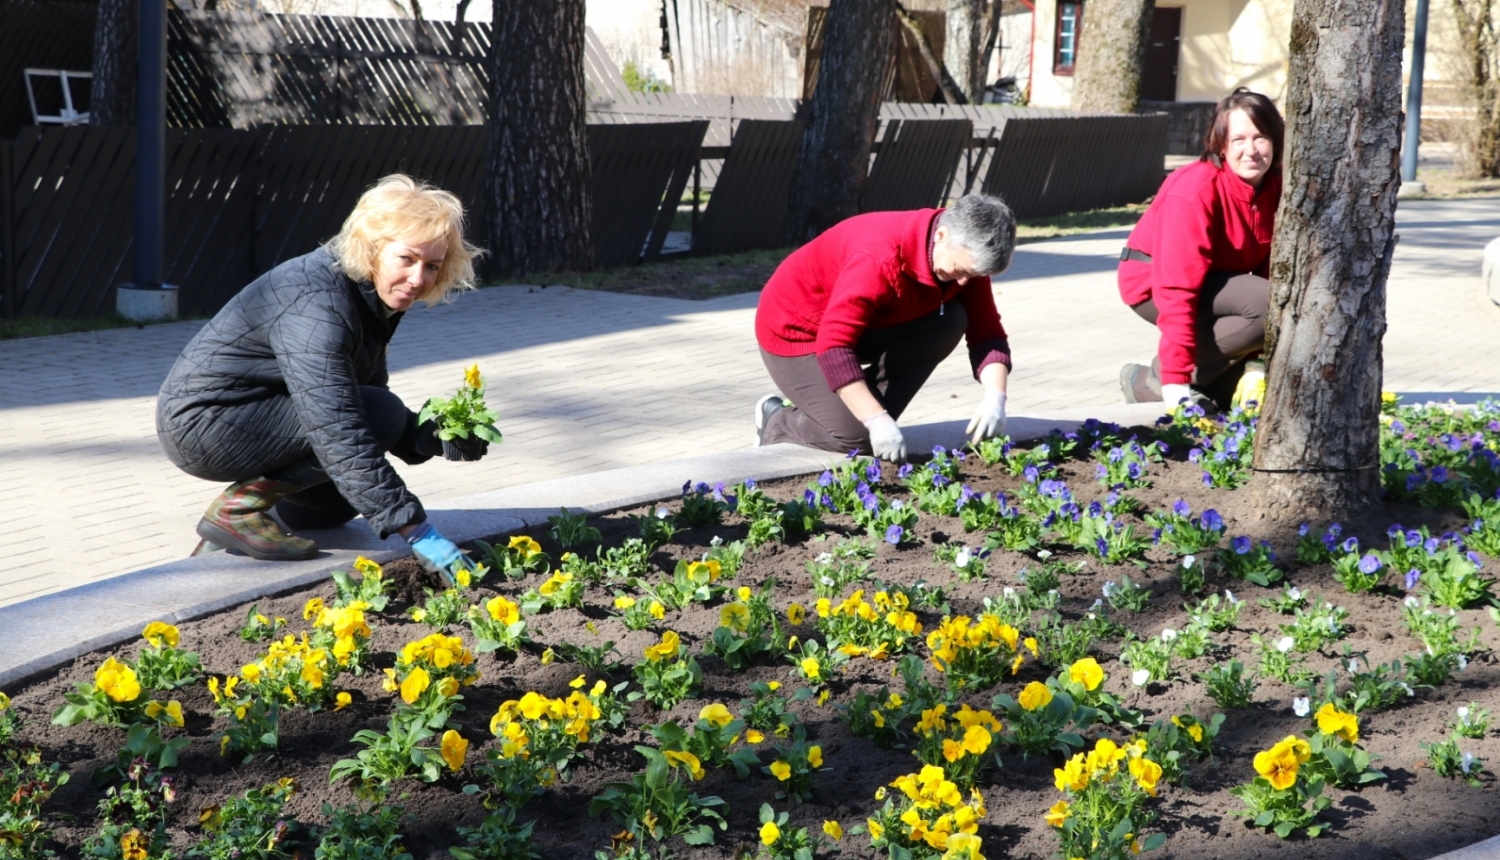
238,520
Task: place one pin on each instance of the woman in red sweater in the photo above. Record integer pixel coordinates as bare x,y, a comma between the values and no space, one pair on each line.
852,323
1196,265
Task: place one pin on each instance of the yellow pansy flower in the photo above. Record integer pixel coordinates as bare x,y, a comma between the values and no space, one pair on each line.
117,680
686,759
796,614
666,649
312,609
717,715
754,736
472,378
1058,814
811,668
455,748
5,700
735,616
1035,695
414,685
781,770
160,635
342,701
769,833
657,610
834,830
1087,673
815,756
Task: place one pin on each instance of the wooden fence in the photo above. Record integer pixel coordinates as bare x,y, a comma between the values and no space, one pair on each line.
240,202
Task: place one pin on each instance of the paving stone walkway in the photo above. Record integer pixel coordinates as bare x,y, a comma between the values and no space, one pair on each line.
587,381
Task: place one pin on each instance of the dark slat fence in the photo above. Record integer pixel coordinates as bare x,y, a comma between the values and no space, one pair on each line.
240,202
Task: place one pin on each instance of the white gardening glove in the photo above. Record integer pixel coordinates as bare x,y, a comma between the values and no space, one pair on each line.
989,419
1173,394
885,437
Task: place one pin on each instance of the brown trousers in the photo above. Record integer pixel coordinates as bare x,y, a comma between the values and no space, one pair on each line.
896,361
1231,326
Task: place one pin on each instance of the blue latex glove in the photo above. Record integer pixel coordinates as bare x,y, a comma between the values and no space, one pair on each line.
438,554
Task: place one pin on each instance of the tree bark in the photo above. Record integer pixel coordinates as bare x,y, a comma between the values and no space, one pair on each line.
540,215
964,47
112,91
1111,53
842,116
1480,54
1317,454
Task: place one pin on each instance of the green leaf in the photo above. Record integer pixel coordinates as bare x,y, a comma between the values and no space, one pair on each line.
1154,841
1284,829
700,835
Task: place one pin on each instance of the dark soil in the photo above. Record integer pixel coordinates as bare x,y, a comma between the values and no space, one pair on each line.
1413,814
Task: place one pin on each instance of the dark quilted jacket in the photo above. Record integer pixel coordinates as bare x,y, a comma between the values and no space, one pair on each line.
304,329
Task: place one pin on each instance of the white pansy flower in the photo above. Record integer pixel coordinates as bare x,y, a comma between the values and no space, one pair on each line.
1284,644
1188,561
1168,634
1140,677
663,512
1301,706
963,558
1467,761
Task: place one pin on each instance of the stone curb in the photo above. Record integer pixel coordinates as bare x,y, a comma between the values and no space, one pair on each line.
41,634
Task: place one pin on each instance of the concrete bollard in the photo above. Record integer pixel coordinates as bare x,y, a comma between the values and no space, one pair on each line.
148,304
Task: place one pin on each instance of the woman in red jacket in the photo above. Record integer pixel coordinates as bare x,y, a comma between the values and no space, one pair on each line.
852,323
1196,265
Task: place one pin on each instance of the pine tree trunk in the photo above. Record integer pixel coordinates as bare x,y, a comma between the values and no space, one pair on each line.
965,43
112,91
1317,453
539,214
1111,53
842,116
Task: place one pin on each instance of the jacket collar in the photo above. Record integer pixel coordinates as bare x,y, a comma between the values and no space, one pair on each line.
916,247
1241,191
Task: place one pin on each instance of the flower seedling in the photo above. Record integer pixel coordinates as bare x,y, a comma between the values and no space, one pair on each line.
520,556
1104,811
1470,721
655,804
1229,685
465,415
748,628
497,625
1448,761
1252,562
573,531
252,826
668,674
1184,534
1284,797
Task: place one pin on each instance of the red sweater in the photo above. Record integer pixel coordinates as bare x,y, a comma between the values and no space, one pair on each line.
870,271
1204,219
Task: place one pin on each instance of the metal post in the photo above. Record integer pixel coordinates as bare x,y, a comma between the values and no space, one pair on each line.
1414,99
148,297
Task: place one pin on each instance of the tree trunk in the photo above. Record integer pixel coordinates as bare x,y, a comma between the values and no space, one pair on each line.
1111,53
1480,57
1317,455
842,116
540,217
112,91
964,46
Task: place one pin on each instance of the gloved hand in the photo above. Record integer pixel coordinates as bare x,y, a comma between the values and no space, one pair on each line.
989,419
885,437
437,554
1173,394
427,443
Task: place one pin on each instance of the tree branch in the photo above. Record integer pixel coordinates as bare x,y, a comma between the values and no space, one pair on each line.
951,92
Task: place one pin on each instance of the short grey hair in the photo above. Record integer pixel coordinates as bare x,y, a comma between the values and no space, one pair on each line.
984,226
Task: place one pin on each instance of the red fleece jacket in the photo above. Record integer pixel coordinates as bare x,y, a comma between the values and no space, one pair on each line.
1204,219
870,271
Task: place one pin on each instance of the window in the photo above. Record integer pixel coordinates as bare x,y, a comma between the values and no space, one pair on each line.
1069,16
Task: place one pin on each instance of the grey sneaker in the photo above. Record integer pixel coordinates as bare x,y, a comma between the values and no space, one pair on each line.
1135,384
764,409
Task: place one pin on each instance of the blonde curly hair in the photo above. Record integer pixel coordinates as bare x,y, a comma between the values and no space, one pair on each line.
401,209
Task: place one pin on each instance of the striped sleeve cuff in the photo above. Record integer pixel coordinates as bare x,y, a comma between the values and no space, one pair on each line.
840,367
995,350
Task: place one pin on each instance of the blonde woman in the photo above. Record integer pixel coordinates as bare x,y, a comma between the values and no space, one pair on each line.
284,393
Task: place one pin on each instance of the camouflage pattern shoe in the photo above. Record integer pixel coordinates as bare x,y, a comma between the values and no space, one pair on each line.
239,520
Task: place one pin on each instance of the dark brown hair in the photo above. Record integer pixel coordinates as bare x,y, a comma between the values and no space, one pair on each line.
1261,110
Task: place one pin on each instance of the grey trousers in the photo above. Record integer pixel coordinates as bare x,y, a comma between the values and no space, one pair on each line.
896,361
1231,324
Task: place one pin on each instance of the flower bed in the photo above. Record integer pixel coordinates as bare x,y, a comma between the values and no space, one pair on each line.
833,666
